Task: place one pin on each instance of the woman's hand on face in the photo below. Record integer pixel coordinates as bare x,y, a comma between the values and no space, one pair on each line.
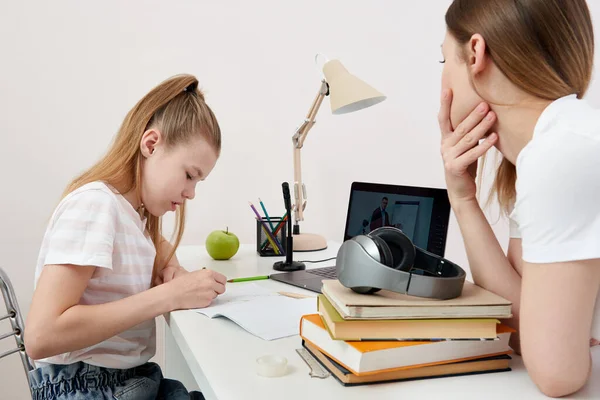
461,148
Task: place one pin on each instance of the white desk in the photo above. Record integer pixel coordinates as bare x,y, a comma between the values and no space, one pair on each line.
219,357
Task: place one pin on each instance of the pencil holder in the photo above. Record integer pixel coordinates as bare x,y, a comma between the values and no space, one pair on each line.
265,245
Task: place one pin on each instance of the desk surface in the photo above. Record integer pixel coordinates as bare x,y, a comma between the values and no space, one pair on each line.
222,356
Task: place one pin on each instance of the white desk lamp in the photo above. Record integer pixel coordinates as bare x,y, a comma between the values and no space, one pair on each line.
346,94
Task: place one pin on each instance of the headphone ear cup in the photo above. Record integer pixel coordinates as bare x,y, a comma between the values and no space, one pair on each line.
400,246
387,258
365,290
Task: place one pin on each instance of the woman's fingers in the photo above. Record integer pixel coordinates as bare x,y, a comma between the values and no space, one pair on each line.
462,162
444,113
472,137
472,120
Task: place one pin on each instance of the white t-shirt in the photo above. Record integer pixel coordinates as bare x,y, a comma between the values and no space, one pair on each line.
95,225
557,208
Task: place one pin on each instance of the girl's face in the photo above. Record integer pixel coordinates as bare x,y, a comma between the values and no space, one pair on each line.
170,175
455,76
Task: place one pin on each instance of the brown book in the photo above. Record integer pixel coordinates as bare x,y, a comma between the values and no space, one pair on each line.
471,367
474,302
370,357
403,329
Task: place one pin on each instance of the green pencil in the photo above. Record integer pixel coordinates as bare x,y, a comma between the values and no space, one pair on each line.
250,278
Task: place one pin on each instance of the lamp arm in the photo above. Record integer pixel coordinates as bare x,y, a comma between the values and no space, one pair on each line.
299,190
309,121
298,142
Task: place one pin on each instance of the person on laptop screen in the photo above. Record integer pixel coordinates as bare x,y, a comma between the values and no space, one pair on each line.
381,217
514,76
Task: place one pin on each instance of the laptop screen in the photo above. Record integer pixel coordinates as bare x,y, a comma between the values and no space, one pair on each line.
421,213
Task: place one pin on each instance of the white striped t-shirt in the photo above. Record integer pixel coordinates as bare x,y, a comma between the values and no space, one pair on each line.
95,225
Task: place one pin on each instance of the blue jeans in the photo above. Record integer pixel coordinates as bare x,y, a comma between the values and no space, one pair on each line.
80,381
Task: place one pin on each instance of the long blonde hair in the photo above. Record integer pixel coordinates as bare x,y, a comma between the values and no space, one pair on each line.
544,47
176,107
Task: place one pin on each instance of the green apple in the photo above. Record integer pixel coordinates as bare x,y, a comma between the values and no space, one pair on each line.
222,245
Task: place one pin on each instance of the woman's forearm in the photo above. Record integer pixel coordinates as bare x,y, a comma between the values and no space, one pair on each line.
82,326
489,265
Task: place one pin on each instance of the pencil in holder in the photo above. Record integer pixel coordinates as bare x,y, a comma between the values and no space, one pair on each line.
265,245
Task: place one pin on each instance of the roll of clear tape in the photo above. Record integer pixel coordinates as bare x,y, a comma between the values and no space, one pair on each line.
271,366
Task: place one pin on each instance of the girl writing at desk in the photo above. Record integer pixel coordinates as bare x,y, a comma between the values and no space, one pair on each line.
515,73
91,324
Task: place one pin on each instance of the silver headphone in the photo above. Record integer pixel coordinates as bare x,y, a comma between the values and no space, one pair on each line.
387,259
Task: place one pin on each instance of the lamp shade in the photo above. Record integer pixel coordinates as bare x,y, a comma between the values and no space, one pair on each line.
347,93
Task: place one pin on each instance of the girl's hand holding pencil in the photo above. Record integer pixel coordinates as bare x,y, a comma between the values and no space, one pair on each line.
196,289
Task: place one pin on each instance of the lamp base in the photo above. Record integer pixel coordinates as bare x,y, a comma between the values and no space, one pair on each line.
293,266
309,242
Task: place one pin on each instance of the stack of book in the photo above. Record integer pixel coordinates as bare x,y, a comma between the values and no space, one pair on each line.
389,336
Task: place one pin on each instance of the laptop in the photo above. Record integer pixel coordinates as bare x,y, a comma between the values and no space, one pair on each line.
422,213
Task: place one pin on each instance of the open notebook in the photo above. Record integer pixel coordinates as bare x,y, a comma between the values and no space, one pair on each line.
261,312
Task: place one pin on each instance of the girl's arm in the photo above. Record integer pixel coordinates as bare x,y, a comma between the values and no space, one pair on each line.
515,254
489,266
57,323
461,148
557,306
166,248
172,269
553,304
549,294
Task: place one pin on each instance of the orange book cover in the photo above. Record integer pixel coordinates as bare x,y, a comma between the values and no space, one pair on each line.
371,357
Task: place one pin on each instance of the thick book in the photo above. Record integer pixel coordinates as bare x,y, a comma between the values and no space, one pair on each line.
368,357
403,329
474,302
477,366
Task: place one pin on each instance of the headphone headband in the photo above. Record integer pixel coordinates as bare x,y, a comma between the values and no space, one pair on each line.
359,268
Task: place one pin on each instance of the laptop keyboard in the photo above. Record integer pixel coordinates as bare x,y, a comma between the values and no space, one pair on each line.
325,272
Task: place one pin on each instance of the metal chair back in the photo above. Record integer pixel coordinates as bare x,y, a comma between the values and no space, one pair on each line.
16,321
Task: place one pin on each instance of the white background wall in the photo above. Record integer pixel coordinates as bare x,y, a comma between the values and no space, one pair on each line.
70,71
